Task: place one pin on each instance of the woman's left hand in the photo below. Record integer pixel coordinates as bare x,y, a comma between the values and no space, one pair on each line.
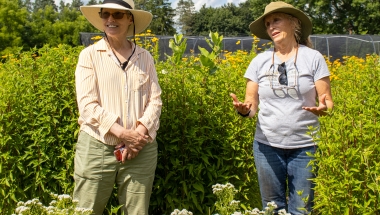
321,109
326,103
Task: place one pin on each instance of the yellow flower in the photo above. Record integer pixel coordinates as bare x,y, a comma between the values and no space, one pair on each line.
98,37
154,39
238,42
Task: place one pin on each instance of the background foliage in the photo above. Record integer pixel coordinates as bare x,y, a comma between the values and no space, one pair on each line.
29,24
202,141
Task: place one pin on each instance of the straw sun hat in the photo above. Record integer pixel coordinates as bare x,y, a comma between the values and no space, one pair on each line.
141,18
258,28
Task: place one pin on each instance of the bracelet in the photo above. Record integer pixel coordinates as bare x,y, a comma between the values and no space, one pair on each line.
244,115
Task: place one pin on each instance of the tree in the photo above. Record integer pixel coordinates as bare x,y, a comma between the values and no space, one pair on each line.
76,4
141,5
229,20
185,11
12,22
344,16
26,4
40,27
68,26
334,16
92,2
163,15
41,4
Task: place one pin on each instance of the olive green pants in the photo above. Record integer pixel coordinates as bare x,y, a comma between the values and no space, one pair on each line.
96,171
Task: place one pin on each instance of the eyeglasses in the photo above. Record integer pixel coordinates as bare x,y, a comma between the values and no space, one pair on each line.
116,15
283,78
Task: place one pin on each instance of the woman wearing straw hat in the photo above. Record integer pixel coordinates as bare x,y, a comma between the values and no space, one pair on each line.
119,104
283,84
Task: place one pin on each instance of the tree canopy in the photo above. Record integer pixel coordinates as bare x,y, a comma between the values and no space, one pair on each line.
33,23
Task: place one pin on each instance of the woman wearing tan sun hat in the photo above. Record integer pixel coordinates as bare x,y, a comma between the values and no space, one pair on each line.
119,104
283,84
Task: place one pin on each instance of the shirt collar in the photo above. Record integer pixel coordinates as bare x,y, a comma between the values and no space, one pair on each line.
101,45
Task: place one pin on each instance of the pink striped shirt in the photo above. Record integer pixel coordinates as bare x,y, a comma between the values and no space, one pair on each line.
107,94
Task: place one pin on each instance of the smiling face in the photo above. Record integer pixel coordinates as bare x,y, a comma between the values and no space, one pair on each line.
280,27
116,27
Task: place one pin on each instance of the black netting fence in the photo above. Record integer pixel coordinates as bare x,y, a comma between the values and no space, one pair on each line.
333,46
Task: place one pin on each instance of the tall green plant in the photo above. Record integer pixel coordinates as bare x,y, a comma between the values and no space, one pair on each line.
208,59
38,124
202,141
178,45
348,161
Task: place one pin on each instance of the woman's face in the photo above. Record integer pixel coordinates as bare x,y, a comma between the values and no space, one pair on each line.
115,27
279,27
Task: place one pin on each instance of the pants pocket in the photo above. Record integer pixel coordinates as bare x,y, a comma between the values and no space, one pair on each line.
89,157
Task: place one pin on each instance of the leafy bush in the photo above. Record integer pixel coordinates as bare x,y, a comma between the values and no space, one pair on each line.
348,179
38,124
202,141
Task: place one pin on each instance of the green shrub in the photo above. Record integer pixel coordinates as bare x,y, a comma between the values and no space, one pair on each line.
348,179
202,141
38,124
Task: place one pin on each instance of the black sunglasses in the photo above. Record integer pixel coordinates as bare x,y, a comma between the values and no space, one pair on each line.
116,15
283,78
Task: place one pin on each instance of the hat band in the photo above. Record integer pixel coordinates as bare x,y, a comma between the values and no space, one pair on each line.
119,2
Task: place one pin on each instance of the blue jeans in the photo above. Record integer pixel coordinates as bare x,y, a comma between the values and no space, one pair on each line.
281,170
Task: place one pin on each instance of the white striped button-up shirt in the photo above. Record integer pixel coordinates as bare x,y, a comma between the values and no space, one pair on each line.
107,94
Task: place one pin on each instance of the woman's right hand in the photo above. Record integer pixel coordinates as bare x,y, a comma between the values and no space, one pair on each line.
134,139
242,108
129,153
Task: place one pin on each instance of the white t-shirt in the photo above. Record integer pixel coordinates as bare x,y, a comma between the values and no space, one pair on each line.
282,122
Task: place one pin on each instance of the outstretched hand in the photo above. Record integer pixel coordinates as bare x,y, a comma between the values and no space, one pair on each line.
321,109
242,108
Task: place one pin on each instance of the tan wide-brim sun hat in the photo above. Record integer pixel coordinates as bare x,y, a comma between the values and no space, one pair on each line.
258,28
141,18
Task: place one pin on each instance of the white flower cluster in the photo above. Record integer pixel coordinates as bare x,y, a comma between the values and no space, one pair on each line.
226,204
62,205
219,188
272,205
22,209
283,212
234,203
182,212
268,210
64,196
83,210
